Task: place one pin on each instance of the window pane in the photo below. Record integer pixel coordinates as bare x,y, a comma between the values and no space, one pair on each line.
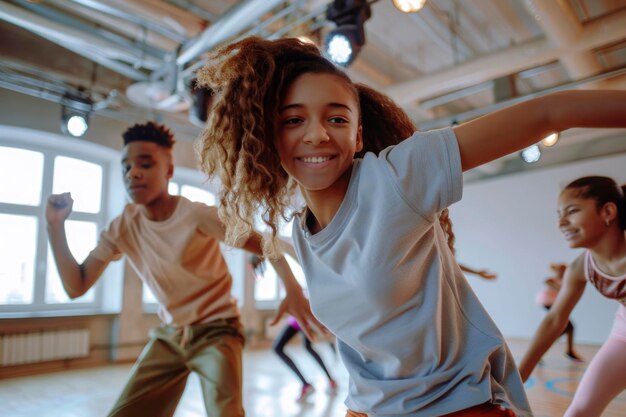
81,238
21,171
198,194
172,188
148,295
18,248
266,285
82,179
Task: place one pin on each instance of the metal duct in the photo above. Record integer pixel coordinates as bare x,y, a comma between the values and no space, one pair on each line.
80,42
232,23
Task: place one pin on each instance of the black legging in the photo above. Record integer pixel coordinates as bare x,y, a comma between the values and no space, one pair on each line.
279,344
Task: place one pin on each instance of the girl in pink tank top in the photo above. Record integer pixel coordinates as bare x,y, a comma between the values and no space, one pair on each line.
592,215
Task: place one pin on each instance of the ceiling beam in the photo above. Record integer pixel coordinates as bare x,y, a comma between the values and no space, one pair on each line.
562,28
600,32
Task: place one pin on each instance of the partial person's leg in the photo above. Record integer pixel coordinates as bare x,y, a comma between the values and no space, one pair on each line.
604,379
279,347
571,353
156,383
215,354
309,347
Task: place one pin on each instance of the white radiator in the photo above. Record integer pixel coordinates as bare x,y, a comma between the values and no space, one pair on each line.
22,348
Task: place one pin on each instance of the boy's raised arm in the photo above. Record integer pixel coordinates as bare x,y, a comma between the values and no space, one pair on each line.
77,278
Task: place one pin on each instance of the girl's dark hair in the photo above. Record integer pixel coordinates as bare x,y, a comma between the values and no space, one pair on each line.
251,78
603,190
149,132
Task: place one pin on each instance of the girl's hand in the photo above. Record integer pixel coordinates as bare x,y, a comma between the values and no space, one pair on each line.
487,275
297,305
58,208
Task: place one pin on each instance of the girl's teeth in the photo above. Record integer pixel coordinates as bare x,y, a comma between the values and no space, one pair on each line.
316,159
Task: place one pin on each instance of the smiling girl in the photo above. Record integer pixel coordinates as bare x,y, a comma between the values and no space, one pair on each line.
592,215
413,336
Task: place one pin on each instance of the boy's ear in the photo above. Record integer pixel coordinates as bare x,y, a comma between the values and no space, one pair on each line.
170,171
359,139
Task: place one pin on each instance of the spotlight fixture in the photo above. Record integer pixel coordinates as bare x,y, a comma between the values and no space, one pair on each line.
344,42
75,111
550,140
531,154
409,6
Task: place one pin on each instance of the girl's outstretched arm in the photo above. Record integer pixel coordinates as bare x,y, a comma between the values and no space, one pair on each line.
556,320
511,129
295,303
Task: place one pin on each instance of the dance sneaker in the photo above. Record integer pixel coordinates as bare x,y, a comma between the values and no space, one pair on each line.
307,389
573,356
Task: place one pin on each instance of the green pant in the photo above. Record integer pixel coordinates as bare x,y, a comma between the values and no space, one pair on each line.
157,380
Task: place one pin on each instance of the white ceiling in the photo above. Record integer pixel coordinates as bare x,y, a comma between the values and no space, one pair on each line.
452,61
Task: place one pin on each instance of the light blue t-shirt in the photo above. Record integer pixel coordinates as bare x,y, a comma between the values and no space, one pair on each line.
414,337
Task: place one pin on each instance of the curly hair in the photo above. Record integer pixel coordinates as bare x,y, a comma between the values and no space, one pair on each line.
251,78
149,132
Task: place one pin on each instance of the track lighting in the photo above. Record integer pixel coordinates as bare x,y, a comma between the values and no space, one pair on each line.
531,154
550,140
409,6
75,111
344,42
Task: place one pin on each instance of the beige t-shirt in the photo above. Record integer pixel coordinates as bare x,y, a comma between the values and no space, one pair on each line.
179,261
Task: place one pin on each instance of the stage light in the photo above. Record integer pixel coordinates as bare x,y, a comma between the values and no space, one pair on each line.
75,111
531,154
550,140
77,125
340,47
343,44
409,6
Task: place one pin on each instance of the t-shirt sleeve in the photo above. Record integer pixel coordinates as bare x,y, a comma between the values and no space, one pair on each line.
426,168
107,248
207,220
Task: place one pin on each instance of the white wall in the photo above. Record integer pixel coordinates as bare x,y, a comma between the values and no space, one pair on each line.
509,225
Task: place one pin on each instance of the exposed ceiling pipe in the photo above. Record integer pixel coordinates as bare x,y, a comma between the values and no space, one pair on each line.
195,9
123,27
106,35
258,29
601,32
562,29
158,28
230,24
80,42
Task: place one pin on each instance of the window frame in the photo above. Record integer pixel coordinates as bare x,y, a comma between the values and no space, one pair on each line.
107,296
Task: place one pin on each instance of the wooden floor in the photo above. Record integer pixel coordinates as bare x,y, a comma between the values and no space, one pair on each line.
270,389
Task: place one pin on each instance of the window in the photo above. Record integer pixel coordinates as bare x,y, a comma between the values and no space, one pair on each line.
31,171
268,289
